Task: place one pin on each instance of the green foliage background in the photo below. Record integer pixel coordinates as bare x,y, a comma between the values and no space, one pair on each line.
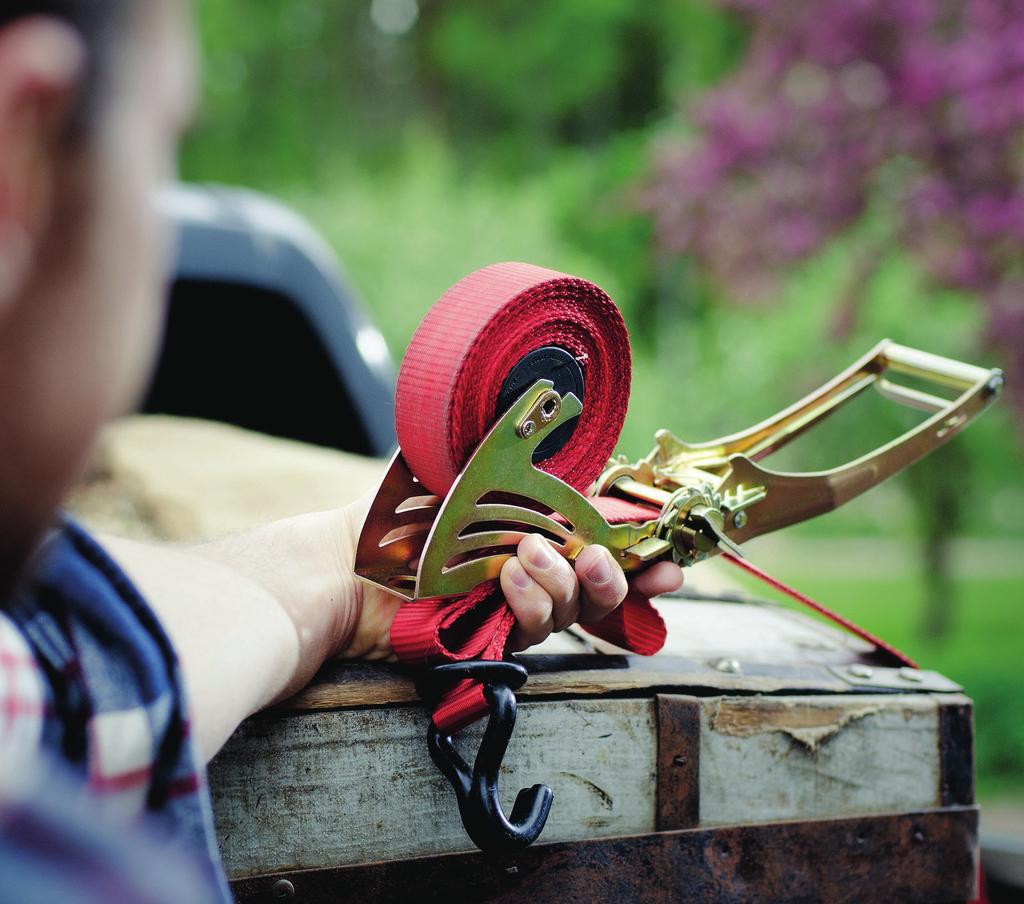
518,131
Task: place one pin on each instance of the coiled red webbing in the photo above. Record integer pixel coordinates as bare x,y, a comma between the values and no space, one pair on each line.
474,335
447,390
889,652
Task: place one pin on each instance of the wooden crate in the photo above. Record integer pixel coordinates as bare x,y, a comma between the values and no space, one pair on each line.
761,756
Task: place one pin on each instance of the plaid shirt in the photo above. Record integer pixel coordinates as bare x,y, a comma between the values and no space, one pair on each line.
89,679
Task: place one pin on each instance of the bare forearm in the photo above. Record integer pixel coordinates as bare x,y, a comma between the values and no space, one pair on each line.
254,615
251,616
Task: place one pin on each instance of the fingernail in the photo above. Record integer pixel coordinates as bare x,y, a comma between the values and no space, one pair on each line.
519,576
601,571
540,553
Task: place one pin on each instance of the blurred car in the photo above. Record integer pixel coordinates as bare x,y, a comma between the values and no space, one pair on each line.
263,329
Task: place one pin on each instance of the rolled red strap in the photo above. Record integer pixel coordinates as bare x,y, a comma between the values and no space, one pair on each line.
448,387
471,339
635,625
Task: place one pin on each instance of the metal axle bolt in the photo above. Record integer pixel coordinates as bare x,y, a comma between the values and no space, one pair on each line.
739,520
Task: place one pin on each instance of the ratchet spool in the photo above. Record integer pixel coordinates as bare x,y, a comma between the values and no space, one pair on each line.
481,342
548,363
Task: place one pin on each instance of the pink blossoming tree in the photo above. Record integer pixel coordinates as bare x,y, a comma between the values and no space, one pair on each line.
917,105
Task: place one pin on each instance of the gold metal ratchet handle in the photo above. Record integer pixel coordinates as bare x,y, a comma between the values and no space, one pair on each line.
709,496
790,498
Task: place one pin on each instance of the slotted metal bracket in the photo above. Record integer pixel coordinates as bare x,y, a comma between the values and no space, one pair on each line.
395,529
498,499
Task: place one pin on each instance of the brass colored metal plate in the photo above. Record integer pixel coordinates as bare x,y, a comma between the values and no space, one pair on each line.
500,497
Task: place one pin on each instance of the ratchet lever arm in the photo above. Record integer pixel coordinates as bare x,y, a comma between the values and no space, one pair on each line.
789,498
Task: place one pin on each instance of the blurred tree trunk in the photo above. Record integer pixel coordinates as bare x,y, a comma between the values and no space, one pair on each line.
938,486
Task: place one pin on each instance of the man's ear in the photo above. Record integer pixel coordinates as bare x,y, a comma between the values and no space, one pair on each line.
41,65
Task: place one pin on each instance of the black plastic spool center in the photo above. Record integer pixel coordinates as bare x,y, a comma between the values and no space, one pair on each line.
554,363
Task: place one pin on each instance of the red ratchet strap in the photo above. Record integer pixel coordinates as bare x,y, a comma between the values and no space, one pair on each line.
890,653
448,386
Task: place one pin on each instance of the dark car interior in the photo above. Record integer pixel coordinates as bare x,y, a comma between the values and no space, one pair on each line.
282,348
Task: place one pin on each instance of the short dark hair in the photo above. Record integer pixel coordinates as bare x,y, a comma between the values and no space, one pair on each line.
99,22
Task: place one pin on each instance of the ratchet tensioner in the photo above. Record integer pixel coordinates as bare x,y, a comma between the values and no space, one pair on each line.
708,497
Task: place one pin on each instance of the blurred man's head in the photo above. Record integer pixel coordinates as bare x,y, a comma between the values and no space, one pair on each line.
93,97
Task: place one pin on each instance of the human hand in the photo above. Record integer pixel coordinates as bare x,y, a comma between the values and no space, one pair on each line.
547,593
544,591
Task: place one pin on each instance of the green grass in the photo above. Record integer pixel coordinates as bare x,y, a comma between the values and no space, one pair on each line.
406,234
984,652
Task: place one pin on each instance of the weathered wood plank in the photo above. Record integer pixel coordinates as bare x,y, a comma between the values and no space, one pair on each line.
813,757
776,650
347,685
325,789
753,630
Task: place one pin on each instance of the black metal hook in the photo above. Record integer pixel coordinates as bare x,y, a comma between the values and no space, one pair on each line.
477,790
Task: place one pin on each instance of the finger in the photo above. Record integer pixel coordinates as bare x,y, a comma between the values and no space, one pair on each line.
602,582
662,577
555,575
530,603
